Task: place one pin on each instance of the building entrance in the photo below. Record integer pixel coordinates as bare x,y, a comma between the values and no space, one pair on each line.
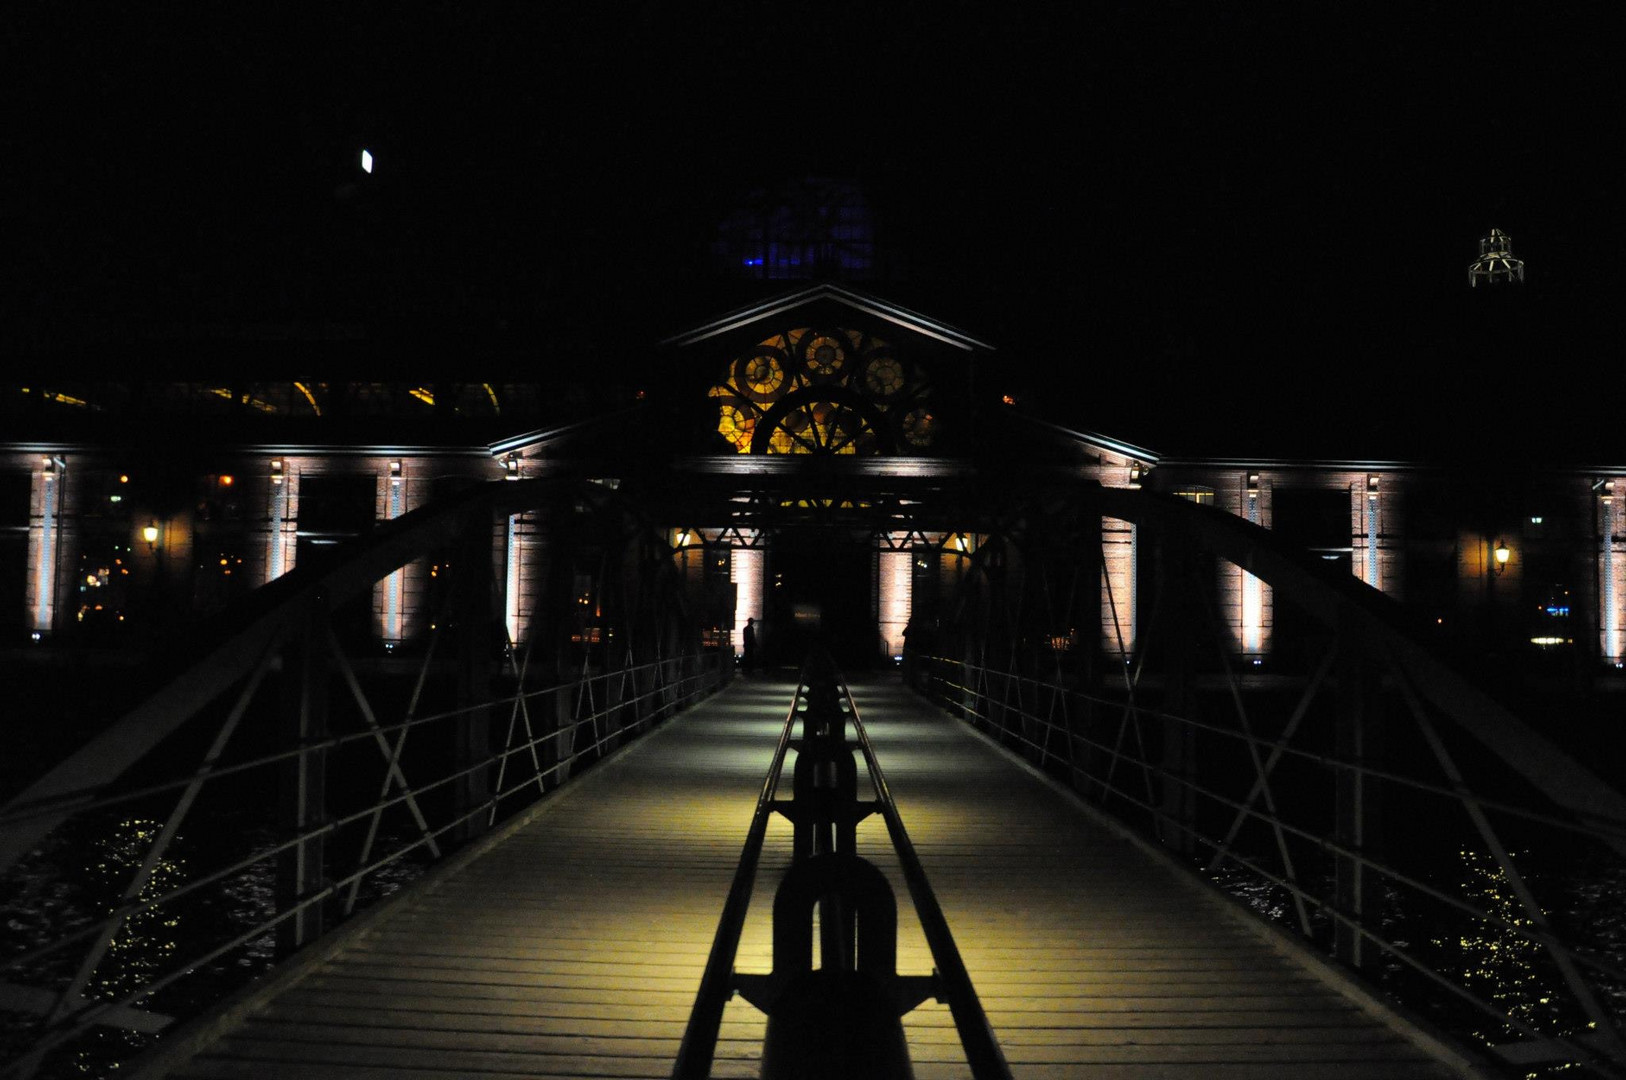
819,594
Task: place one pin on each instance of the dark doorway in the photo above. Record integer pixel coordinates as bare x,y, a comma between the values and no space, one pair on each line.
819,593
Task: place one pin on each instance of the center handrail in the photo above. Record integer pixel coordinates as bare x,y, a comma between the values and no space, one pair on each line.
699,1044
953,983
955,988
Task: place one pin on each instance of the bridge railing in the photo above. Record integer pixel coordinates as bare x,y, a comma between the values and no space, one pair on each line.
1373,801
284,782
1471,928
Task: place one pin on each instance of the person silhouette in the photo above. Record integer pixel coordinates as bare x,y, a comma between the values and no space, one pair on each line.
749,643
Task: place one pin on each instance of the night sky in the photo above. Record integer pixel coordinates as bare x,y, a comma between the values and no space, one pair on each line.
1225,228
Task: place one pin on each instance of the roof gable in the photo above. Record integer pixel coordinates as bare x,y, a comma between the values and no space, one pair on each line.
828,293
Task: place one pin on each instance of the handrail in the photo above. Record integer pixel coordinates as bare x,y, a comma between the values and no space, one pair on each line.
327,842
1343,603
977,706
717,983
983,1054
686,681
952,981
1326,844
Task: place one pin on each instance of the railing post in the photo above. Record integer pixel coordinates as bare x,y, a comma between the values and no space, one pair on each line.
302,795
475,616
1356,809
1081,728
1177,585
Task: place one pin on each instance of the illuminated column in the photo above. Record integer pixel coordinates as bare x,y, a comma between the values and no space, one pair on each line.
1370,569
282,535
394,507
1120,558
44,541
894,594
745,570
1610,567
511,579
1253,601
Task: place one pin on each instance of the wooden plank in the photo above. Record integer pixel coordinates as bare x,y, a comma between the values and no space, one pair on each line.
575,947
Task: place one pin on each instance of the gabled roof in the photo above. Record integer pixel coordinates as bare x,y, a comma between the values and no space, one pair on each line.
1097,441
840,294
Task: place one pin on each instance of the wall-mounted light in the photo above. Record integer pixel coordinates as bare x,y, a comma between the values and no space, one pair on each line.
395,473
1134,474
510,467
1253,483
1371,487
149,533
276,470
1501,553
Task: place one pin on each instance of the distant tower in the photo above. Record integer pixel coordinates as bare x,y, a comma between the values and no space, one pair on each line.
1496,261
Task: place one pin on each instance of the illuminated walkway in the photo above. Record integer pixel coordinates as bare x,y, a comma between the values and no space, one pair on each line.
575,946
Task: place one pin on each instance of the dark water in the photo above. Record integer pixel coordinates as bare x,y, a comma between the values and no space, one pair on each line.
76,880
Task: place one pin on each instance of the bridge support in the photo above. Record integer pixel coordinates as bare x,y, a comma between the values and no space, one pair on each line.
474,613
302,798
1177,582
1356,811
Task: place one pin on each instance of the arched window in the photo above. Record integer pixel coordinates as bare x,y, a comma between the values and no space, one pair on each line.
824,391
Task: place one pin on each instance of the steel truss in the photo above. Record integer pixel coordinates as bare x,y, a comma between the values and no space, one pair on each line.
372,762
1292,787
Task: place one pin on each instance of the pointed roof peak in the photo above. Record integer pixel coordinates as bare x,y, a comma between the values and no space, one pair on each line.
841,294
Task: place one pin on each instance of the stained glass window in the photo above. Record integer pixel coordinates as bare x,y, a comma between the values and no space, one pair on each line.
824,391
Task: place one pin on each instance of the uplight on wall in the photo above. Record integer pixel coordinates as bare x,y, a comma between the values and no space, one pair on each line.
1609,571
1253,599
1370,562
393,629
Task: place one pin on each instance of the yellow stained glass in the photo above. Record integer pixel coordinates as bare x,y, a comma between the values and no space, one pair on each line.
736,426
762,376
825,356
832,390
884,376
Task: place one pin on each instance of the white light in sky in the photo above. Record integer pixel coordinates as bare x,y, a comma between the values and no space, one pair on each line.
367,162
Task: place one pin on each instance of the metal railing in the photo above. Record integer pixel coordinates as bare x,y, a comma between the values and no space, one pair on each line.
1360,791
1115,751
949,981
278,786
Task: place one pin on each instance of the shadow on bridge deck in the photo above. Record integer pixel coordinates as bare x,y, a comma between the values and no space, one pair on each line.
575,946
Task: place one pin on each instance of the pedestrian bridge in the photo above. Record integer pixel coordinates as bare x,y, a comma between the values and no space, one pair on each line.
574,942
302,855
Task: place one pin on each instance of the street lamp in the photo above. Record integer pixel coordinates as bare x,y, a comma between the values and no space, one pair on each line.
149,533
1501,553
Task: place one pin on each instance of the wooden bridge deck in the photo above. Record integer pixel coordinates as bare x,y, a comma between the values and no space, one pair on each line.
574,947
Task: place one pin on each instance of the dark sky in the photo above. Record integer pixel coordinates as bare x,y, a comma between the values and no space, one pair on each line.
1243,226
